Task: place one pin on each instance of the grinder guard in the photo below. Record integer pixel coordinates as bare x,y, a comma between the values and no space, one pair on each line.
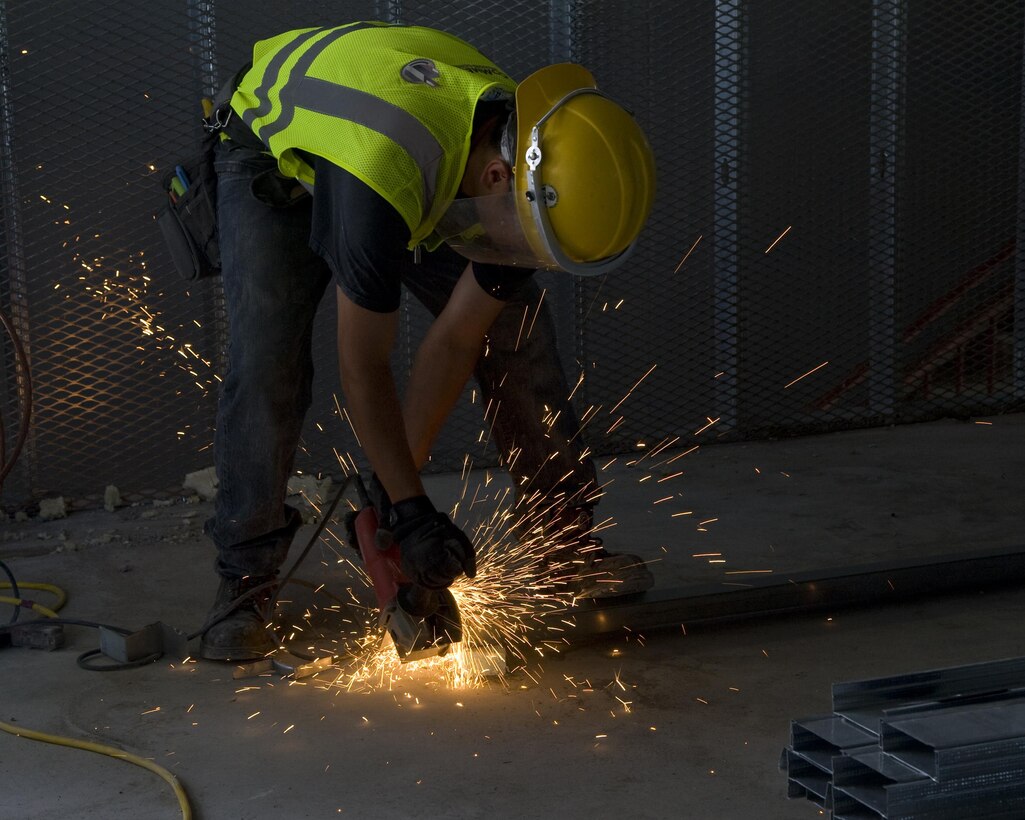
421,623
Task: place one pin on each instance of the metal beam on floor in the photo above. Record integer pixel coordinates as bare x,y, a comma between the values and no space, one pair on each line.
787,593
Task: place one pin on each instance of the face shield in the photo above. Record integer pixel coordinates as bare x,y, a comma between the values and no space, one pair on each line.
488,229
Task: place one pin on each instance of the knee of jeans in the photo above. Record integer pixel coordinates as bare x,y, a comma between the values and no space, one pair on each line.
268,357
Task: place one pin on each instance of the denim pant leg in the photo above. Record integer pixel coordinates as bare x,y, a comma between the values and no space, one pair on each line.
522,381
272,286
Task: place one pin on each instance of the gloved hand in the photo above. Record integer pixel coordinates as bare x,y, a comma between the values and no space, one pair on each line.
433,549
418,600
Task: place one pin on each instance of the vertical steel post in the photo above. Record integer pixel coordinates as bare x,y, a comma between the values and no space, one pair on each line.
1018,316
567,293
728,79
203,47
561,31
885,115
388,11
17,280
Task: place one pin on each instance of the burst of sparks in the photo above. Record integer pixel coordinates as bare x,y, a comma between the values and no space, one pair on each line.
121,286
502,610
505,607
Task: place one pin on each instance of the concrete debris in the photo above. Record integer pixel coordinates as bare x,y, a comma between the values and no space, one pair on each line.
313,489
52,508
203,482
111,498
313,492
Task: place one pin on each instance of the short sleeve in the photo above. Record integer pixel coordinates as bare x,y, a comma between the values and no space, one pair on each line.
361,237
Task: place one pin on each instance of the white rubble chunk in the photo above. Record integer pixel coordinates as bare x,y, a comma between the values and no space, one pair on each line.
52,508
203,482
314,493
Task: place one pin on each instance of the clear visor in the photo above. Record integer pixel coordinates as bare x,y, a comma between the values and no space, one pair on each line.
488,229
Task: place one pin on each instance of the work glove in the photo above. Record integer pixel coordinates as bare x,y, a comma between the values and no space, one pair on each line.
433,550
418,600
381,503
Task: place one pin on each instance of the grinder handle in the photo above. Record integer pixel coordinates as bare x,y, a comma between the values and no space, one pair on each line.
382,566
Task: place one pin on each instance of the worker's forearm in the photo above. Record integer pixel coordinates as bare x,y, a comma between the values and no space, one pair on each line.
373,406
445,361
440,371
365,340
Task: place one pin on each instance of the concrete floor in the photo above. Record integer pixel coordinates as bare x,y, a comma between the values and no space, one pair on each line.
706,712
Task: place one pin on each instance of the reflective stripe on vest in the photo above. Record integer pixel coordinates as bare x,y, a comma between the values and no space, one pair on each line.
372,112
430,147
273,71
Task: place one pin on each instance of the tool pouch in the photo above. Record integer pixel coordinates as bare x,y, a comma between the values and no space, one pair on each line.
188,221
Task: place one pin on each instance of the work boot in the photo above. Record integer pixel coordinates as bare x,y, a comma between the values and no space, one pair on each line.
579,565
242,633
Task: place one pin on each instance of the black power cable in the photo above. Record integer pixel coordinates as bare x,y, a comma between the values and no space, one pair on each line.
86,659
15,593
228,608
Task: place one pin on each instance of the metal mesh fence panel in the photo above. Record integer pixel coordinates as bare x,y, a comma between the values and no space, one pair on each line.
88,119
833,244
957,209
667,309
834,241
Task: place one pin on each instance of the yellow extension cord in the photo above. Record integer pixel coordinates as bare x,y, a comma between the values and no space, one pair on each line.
56,591
89,746
110,751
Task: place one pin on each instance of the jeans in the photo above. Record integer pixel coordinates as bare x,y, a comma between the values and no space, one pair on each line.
272,284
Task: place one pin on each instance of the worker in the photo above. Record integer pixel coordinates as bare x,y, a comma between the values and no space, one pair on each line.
374,156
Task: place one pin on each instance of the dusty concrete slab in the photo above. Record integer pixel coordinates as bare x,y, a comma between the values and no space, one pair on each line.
663,725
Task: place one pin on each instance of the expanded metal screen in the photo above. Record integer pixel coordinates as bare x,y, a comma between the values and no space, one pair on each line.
836,239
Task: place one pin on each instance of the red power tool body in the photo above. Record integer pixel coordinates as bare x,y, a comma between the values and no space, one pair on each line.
422,623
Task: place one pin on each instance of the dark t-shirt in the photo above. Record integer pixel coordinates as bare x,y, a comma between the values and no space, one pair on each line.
363,239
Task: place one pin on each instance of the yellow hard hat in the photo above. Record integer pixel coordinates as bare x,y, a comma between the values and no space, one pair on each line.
584,171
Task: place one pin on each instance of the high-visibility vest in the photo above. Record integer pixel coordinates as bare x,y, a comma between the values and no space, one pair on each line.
391,104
